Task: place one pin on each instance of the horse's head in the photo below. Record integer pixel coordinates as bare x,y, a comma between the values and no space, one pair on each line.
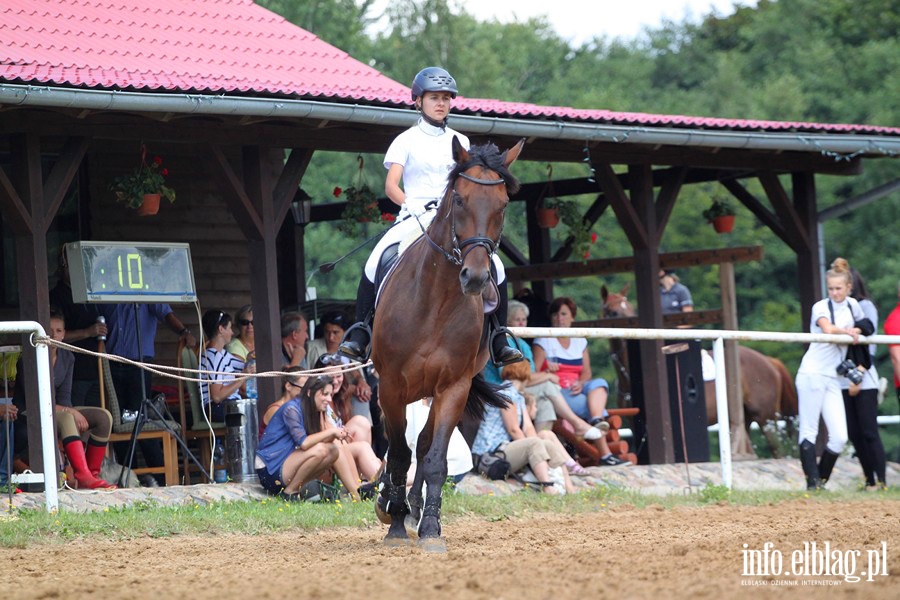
617,304
473,209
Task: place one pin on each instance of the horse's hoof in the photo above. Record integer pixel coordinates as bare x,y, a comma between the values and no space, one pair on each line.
383,516
396,542
433,545
412,526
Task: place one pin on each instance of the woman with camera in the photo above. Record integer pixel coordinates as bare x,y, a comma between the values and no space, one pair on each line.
820,374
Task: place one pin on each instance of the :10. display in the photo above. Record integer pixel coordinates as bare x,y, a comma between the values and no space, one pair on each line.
132,284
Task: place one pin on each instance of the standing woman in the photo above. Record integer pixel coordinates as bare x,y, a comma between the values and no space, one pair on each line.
218,383
422,157
861,401
818,382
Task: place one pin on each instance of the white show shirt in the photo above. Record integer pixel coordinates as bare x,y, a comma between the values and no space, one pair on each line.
823,358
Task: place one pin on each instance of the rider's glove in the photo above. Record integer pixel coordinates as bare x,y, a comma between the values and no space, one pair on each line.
415,206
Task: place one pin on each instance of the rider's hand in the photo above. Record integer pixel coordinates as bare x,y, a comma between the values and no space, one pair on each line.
415,206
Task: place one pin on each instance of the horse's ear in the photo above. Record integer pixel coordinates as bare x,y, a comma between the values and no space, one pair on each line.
625,289
460,154
604,292
510,156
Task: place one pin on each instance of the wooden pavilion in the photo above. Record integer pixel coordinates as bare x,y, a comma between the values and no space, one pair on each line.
236,101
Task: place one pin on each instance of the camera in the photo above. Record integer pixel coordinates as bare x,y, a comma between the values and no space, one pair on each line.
848,369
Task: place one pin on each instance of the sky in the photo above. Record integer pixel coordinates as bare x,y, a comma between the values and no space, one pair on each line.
580,20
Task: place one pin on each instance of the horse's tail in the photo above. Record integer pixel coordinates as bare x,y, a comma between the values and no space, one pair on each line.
789,405
481,394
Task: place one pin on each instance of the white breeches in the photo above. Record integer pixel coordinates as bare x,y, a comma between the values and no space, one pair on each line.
402,230
821,395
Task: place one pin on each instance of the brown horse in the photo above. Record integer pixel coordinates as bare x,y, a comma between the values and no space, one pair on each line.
763,401
429,337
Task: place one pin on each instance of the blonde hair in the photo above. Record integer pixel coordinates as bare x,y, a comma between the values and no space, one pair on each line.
840,268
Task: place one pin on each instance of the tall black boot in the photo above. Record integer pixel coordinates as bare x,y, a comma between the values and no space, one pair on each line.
826,464
501,353
357,338
810,469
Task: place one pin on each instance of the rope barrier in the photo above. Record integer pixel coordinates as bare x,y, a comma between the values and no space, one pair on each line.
161,370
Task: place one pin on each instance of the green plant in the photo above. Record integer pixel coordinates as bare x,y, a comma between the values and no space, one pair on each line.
146,179
718,208
578,229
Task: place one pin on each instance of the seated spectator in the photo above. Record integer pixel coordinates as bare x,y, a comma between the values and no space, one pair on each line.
244,343
74,426
543,385
219,383
569,360
294,335
459,456
354,457
334,324
511,431
350,411
291,384
289,454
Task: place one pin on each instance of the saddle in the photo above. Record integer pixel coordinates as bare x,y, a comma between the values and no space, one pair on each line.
390,257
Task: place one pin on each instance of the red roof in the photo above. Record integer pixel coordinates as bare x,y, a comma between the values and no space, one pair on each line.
235,46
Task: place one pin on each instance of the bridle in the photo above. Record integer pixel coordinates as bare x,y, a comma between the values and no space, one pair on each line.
461,249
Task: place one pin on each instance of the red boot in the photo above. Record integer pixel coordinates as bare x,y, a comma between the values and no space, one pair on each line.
75,453
95,455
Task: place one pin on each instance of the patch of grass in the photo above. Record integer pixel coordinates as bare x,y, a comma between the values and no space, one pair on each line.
145,519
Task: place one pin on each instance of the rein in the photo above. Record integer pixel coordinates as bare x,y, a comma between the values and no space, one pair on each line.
459,247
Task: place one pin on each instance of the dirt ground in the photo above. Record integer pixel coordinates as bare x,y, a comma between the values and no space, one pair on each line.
618,552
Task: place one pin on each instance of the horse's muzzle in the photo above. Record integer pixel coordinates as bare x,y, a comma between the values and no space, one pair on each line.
473,281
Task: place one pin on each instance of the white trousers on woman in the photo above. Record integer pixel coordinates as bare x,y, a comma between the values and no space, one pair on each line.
400,231
821,395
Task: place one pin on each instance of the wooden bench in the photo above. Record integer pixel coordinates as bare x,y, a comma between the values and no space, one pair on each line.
170,453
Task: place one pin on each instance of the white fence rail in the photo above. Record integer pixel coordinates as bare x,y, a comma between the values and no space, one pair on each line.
718,337
48,435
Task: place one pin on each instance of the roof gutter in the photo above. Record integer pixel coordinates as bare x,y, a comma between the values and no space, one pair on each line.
838,146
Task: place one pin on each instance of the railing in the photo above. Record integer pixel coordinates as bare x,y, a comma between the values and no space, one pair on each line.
48,435
718,337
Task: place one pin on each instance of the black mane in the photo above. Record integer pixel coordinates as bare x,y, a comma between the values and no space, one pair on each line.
489,157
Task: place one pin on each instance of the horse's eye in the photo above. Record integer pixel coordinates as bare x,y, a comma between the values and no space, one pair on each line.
457,199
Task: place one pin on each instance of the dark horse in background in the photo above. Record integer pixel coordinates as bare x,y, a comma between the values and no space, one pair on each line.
767,386
429,338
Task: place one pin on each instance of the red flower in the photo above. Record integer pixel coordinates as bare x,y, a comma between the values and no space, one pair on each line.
593,238
165,172
157,160
587,255
337,192
389,217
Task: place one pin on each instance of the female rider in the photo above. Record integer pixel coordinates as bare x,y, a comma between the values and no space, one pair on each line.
422,158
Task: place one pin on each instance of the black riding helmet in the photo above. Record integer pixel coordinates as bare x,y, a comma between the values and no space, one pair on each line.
433,79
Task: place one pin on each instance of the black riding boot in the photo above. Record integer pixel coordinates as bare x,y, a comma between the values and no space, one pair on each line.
357,338
826,465
810,469
501,353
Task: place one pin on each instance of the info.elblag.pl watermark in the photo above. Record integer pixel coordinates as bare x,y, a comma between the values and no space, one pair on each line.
819,564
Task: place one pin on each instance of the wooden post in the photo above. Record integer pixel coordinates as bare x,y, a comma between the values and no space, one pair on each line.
740,441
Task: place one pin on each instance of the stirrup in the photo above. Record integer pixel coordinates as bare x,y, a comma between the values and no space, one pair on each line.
509,354
354,349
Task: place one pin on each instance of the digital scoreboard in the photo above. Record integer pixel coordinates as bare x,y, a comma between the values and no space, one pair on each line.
131,272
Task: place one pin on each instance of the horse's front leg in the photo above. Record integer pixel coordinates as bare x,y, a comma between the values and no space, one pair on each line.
415,494
392,499
434,473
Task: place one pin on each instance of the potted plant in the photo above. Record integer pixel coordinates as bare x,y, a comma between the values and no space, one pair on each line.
143,188
721,215
548,213
571,217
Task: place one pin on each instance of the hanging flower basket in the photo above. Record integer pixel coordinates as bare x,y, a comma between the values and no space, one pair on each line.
721,215
362,205
547,218
147,182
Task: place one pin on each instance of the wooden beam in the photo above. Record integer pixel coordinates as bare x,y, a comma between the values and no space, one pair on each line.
289,180
233,191
628,218
665,201
625,264
783,207
14,211
62,174
512,252
809,266
759,210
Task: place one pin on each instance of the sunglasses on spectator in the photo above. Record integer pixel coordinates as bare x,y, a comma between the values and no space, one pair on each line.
245,322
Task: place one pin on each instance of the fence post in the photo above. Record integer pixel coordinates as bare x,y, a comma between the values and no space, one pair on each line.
722,409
